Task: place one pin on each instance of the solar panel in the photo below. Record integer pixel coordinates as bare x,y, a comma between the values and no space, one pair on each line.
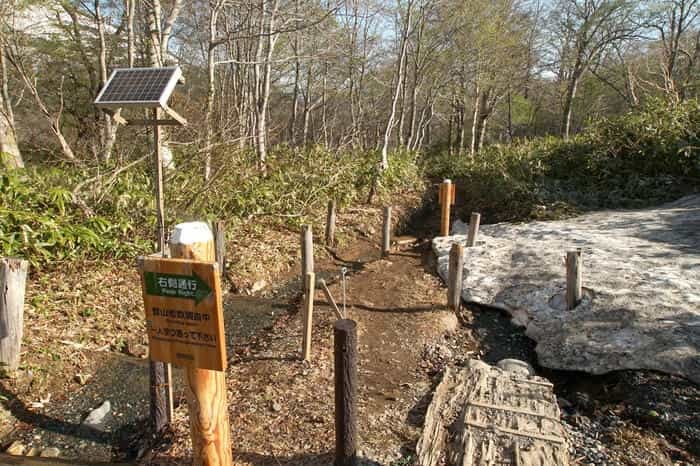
139,87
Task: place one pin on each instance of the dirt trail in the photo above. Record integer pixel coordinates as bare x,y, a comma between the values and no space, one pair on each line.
281,409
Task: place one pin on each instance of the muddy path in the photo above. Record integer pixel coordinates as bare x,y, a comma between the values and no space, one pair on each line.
281,408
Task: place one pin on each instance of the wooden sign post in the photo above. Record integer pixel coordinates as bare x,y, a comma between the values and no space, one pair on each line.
183,312
447,199
185,327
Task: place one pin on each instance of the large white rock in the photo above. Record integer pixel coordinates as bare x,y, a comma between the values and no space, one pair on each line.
641,274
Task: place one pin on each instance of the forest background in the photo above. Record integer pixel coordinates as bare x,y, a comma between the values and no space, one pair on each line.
539,108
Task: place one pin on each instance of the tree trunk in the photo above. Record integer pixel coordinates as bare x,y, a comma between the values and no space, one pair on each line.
110,127
295,95
10,156
475,121
130,8
399,79
211,89
571,87
402,109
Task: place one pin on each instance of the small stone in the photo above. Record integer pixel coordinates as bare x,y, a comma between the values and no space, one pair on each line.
276,407
516,366
51,452
258,286
97,416
16,448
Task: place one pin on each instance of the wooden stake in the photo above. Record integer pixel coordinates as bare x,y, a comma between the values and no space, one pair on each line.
446,201
160,375
574,287
474,222
206,390
307,254
345,352
329,298
454,282
386,232
220,243
13,280
309,282
330,225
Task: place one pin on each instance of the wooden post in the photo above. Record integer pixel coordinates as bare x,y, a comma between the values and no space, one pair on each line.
386,232
574,288
307,254
454,282
206,390
13,280
330,225
220,243
446,201
310,285
330,299
160,374
474,222
345,352
160,202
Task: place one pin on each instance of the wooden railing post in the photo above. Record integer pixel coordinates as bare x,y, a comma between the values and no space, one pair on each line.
474,222
206,389
454,282
345,353
13,280
447,198
308,317
307,254
574,276
386,232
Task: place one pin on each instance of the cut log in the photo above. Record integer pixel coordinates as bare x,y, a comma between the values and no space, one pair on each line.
483,415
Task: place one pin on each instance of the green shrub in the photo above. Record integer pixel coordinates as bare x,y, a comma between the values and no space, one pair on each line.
40,221
638,159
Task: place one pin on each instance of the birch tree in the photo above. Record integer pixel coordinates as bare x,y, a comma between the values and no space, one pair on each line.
405,31
677,23
9,151
586,29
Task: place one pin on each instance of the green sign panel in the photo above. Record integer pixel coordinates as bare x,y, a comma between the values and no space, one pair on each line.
177,286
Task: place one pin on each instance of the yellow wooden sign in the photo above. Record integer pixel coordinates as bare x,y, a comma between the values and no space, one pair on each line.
184,316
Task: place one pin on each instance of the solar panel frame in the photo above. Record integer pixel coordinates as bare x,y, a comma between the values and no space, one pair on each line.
154,96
